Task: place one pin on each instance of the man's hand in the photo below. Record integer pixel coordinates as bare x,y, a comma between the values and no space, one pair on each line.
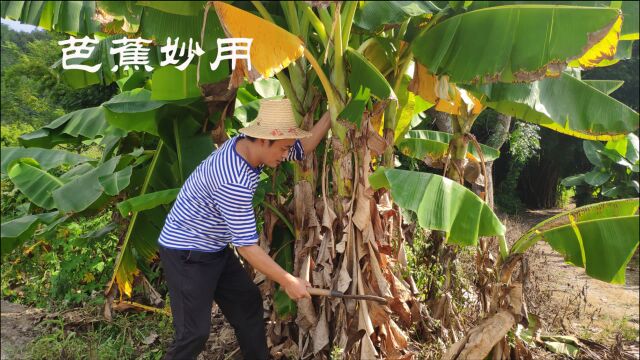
296,287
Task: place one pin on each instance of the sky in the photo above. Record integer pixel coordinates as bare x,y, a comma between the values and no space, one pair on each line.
17,26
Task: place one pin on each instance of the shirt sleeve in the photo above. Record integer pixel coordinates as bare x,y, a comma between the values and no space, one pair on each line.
296,152
234,201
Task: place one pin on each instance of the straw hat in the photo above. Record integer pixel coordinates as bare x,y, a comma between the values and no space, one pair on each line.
275,121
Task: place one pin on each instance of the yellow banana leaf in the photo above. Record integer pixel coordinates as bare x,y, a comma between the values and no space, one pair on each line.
272,49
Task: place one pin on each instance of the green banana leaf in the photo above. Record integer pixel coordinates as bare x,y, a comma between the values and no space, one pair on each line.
72,17
630,25
127,11
627,147
355,108
81,192
140,241
440,204
517,42
282,248
34,182
134,111
159,25
114,183
364,74
147,201
564,104
73,127
599,237
184,8
605,86
434,144
629,11
47,159
374,14
16,231
409,106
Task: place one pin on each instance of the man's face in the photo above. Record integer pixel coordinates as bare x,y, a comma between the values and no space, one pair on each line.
275,153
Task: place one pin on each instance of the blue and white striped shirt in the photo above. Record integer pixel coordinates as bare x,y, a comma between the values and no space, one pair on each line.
214,206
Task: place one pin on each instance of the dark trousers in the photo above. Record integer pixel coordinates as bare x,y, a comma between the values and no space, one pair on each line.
195,280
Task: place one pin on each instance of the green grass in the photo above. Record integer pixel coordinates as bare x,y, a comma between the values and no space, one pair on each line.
128,336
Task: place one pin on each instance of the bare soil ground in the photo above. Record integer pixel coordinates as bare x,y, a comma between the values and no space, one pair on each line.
17,326
571,303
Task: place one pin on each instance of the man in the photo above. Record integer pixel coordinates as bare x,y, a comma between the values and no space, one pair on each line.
214,209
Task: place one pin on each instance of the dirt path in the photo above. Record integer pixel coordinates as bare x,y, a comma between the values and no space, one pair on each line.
17,326
569,301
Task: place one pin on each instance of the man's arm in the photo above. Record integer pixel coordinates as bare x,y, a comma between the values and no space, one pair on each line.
318,132
295,287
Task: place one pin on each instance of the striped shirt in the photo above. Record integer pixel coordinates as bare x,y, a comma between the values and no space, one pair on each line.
214,206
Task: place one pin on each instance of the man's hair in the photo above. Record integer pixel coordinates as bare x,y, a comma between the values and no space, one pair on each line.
252,139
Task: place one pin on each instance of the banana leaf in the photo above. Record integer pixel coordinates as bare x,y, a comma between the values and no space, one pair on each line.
47,158
517,42
147,201
184,8
605,86
440,204
268,57
72,17
599,237
73,127
16,231
133,111
374,14
34,182
364,74
79,193
282,248
564,104
434,144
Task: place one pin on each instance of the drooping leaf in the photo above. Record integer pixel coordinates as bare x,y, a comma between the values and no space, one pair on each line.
133,111
73,127
84,190
597,177
355,108
599,237
140,242
71,17
446,96
434,144
455,210
127,11
185,8
16,231
170,83
268,88
147,201
114,183
46,158
34,182
605,86
268,57
517,42
630,24
564,104
364,74
159,25
374,14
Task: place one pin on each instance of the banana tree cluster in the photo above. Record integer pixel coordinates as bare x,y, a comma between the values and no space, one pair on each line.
376,67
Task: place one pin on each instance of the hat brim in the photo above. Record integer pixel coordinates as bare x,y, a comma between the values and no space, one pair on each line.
261,132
